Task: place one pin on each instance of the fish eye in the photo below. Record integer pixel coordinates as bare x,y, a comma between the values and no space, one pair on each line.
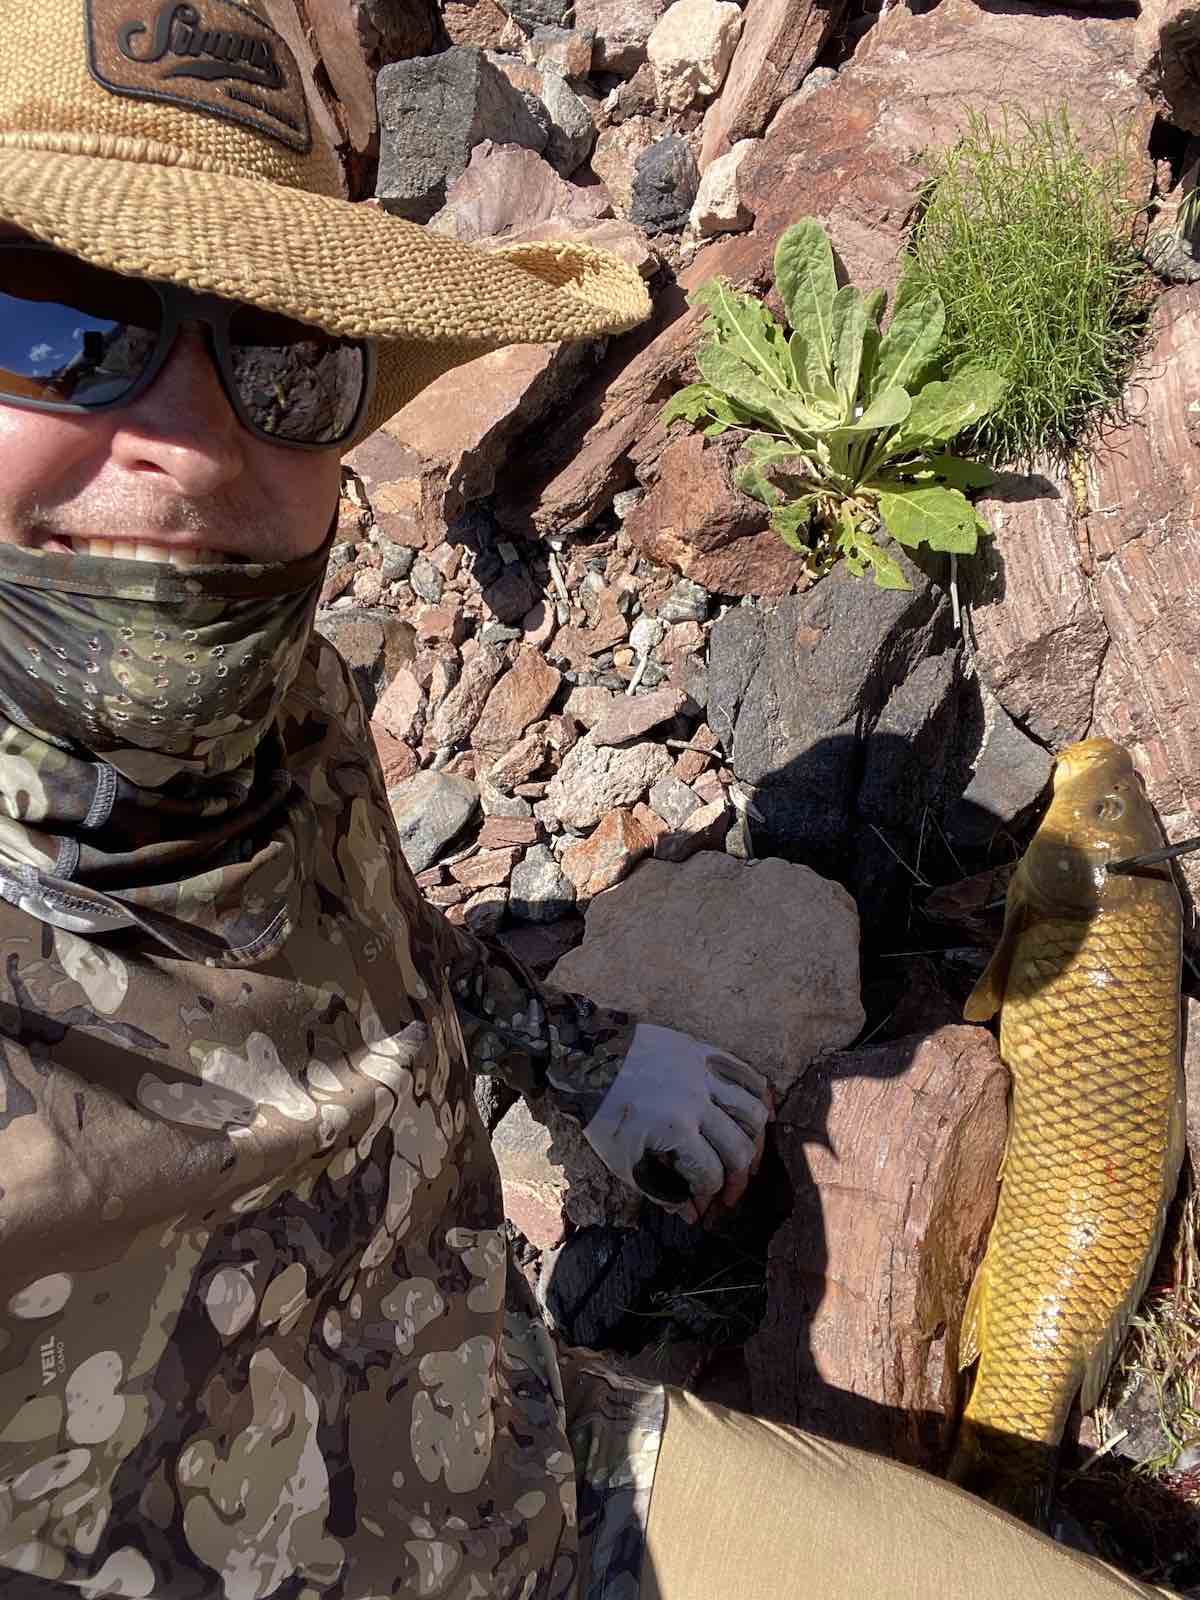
1110,809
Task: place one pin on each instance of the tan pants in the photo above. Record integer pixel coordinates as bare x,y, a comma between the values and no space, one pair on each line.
749,1510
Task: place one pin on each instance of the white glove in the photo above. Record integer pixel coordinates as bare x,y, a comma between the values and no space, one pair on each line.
682,1122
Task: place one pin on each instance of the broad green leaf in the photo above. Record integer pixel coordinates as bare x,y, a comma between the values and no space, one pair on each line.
872,338
792,521
807,282
723,370
915,514
913,334
874,304
751,479
767,451
849,330
863,554
888,409
746,327
691,402
960,473
943,409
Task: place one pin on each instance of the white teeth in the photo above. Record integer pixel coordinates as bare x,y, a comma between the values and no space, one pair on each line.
98,547
121,550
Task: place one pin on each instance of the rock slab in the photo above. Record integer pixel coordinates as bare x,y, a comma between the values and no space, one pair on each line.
892,1154
698,947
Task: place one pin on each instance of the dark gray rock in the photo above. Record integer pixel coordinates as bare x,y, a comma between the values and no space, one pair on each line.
433,111
665,181
512,595
687,602
538,890
430,810
1011,773
539,13
826,696
572,133
426,580
589,1284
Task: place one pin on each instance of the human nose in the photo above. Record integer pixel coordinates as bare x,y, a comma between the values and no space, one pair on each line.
183,426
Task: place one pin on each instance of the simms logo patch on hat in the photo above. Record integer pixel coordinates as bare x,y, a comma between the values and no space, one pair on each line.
214,56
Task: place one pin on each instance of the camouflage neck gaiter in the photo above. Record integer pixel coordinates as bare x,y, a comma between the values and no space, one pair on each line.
137,710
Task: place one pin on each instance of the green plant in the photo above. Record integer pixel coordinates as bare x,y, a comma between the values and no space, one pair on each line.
1034,247
844,424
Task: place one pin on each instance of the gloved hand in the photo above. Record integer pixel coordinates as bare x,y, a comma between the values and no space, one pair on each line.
683,1122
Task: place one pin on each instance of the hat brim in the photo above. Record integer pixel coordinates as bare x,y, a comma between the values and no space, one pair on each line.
431,301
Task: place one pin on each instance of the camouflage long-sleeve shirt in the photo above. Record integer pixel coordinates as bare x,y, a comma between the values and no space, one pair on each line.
259,1332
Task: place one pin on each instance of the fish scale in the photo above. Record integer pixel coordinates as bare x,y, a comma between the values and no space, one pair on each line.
1090,1031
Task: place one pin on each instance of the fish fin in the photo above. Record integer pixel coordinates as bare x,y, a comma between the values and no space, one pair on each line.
970,1337
1013,1473
1099,1362
986,998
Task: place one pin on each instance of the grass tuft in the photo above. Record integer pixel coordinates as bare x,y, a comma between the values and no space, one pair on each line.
1034,247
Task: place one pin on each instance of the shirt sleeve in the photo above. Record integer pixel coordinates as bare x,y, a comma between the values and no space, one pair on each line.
539,1040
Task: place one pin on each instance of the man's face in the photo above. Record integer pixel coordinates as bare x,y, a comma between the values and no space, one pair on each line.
172,475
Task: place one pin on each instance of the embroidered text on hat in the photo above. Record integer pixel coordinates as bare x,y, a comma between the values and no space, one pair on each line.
215,56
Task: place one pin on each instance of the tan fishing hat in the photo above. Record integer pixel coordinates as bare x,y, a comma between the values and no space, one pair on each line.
171,139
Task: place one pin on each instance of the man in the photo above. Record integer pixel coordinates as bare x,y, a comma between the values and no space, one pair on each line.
259,1335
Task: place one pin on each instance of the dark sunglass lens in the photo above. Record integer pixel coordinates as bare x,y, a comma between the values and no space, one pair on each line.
296,384
69,332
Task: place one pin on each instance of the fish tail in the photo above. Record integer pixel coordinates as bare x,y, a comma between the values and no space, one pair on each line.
1013,1473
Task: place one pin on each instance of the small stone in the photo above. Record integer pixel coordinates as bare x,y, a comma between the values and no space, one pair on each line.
397,760
401,707
511,595
567,50
533,1187
518,699
484,911
624,502
486,868
397,560
587,703
426,580
503,833
367,587
718,206
651,824
680,641
633,716
607,855
622,28
538,891
519,762
674,801
447,558
704,829
664,184
693,762
441,622
687,602
446,894
616,155
690,50
430,810
646,635
538,623
496,803
458,713
497,633
593,779
572,131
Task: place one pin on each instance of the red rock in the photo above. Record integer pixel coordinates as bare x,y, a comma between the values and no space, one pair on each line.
538,624
431,878
697,522
447,894
368,585
486,868
607,855
779,44
499,833
477,22
1166,60
397,759
559,732
519,762
891,1154
705,829
336,583
401,707
518,699
441,622
693,762
649,821
506,189
587,703
633,716
458,713
447,558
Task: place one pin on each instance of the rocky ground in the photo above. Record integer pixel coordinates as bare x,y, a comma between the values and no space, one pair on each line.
623,733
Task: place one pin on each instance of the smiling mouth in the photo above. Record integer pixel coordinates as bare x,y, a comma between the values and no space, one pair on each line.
129,550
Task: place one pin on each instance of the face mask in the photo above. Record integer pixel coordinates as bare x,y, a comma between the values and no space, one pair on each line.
161,672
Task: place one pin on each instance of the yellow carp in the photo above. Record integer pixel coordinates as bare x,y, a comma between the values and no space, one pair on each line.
1086,978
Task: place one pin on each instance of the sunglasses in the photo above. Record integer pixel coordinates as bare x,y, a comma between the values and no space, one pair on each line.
77,338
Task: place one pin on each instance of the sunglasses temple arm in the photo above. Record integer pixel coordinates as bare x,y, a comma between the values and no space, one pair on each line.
1154,858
